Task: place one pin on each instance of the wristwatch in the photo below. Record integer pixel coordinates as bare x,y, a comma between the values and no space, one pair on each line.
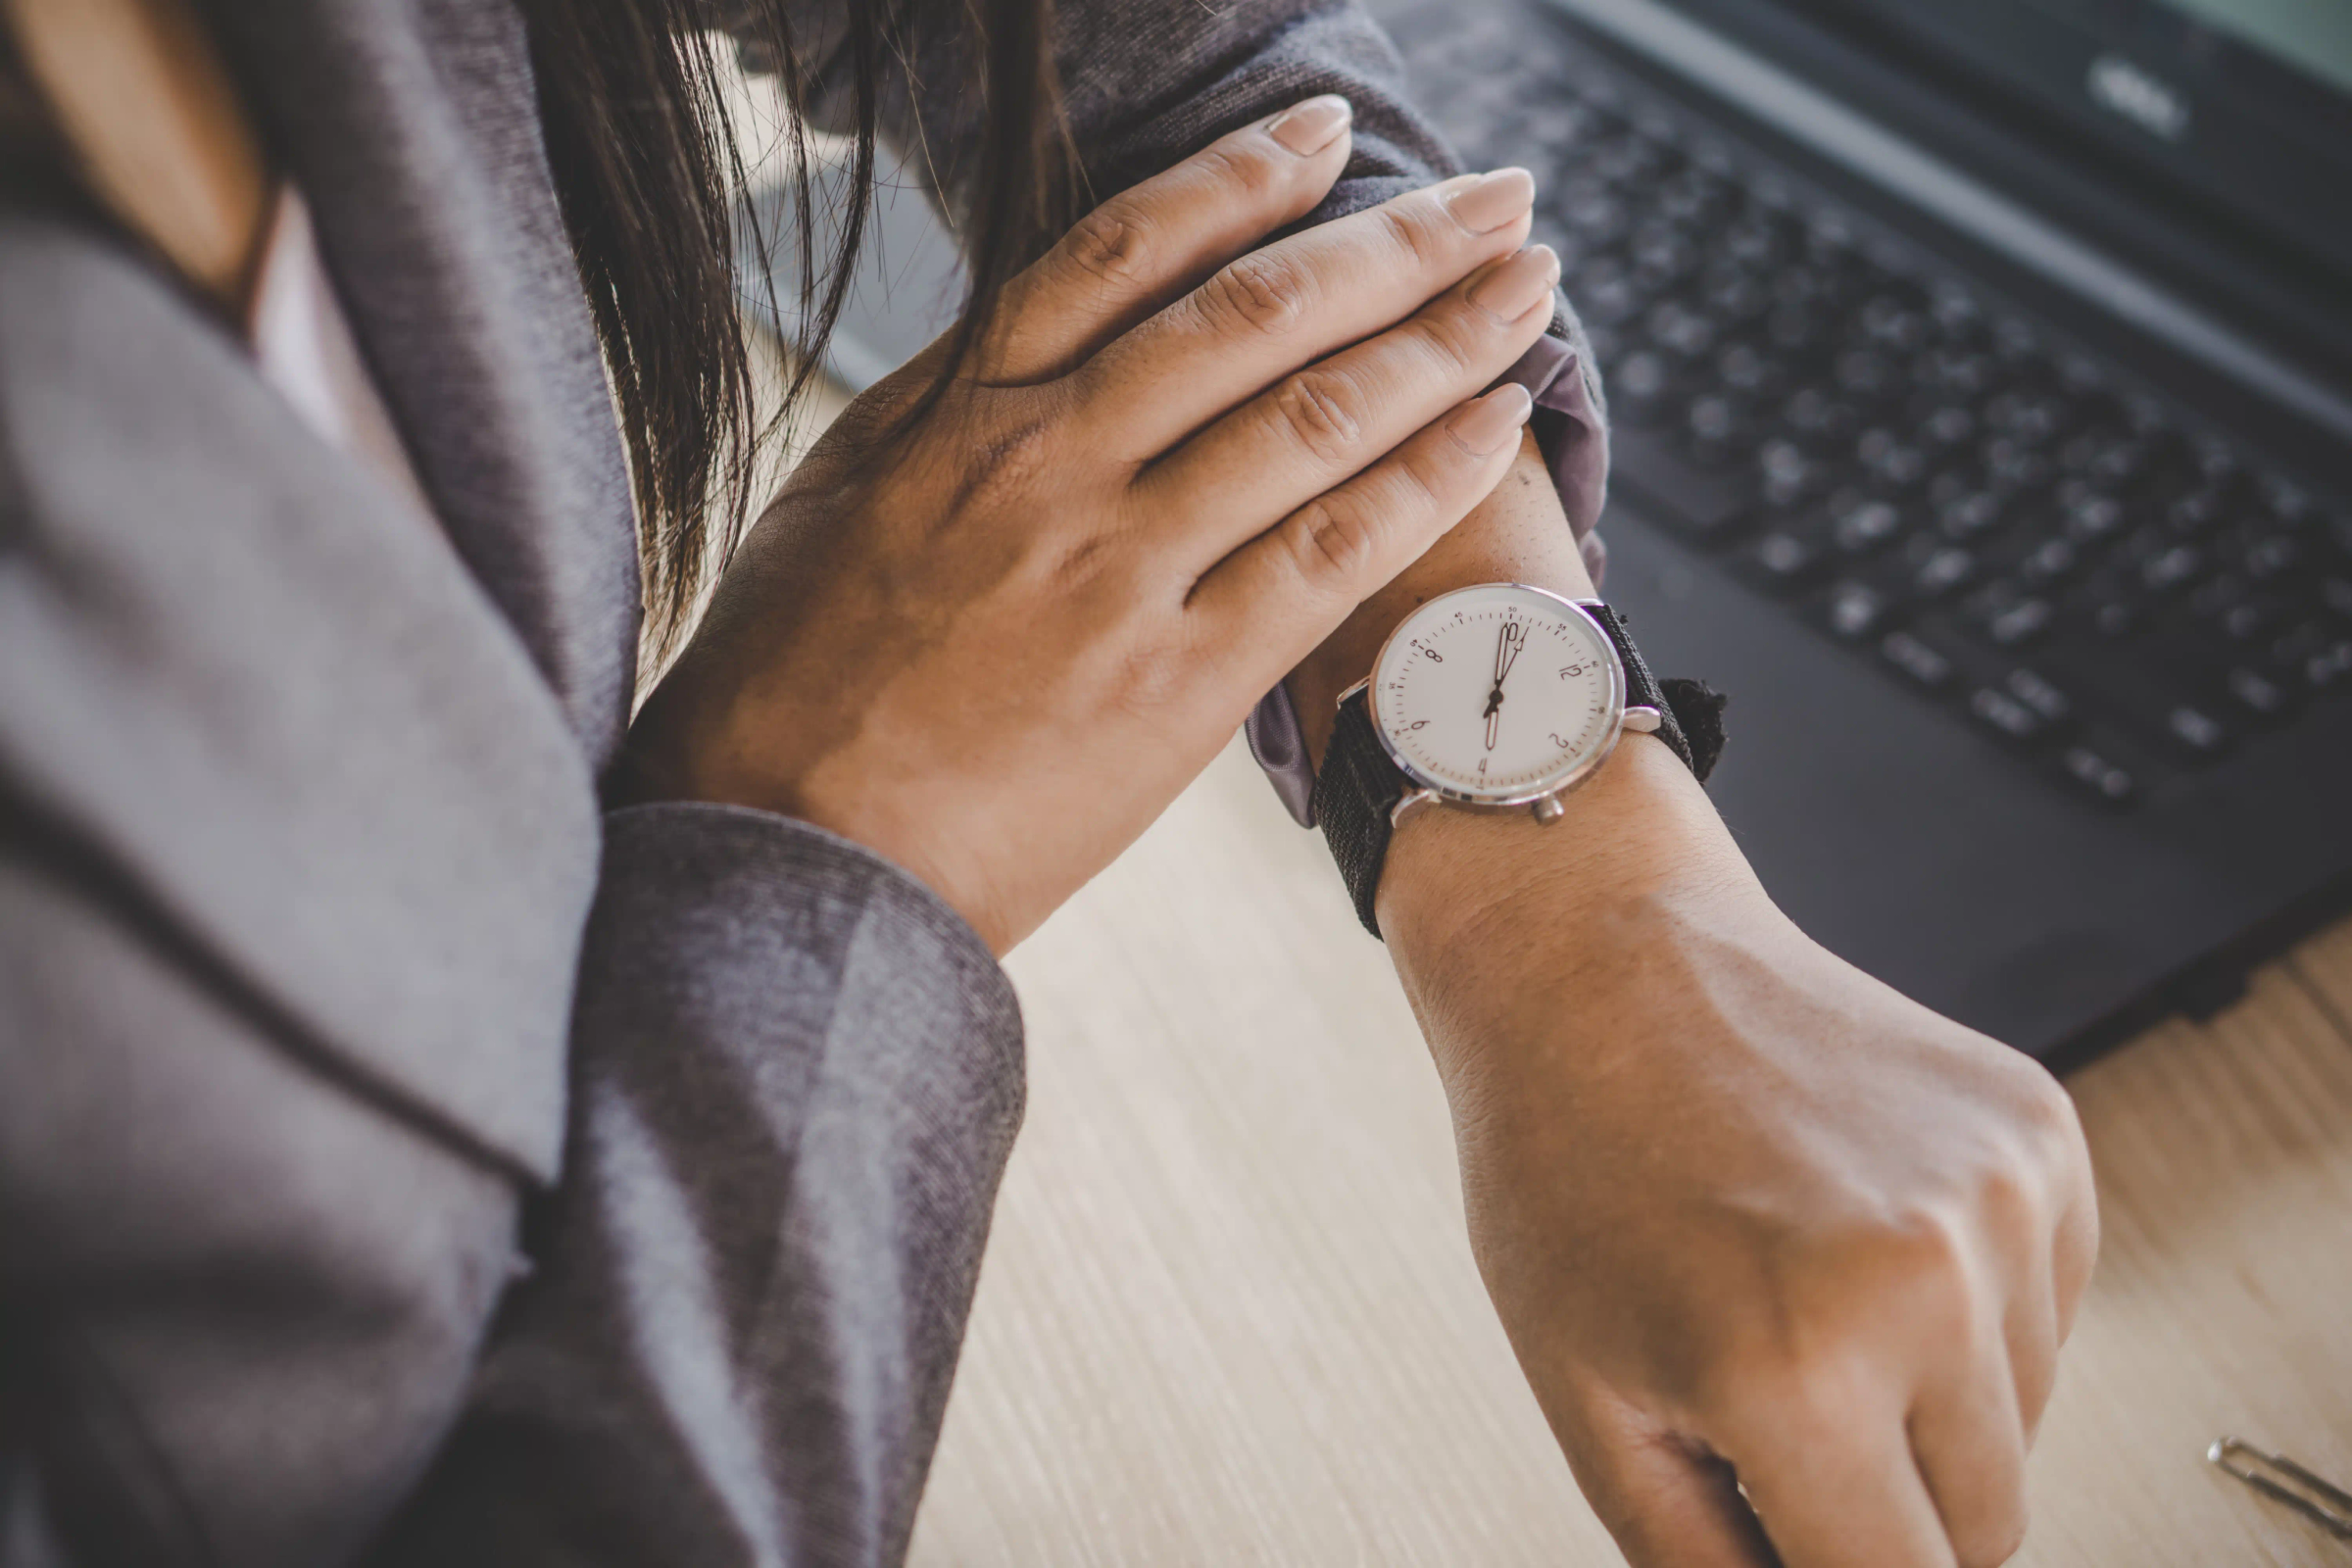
1495,697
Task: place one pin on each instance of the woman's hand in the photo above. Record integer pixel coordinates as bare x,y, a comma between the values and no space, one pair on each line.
1753,1221
993,647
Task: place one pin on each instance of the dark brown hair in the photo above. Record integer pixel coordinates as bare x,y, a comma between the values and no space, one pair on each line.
648,167
648,162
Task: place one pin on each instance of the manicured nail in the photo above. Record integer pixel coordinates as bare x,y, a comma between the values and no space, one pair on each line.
1309,127
1485,425
1515,287
1493,200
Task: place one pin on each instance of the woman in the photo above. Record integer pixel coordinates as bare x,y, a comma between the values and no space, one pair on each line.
406,1157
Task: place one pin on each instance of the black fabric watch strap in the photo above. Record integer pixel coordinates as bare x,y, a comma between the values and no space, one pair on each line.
1355,789
1358,786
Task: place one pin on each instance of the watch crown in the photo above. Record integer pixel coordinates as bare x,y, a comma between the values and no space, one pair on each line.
1550,808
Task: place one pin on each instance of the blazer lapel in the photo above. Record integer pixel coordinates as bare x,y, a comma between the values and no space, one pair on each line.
411,128
233,665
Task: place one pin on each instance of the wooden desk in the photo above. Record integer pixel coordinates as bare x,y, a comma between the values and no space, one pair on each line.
1229,1315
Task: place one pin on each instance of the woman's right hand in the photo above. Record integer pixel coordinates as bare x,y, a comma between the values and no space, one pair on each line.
992,645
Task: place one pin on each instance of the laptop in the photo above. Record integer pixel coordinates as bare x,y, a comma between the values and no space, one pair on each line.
1982,375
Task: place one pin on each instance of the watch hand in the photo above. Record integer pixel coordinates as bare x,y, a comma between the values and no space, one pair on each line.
1503,642
1515,635
1493,721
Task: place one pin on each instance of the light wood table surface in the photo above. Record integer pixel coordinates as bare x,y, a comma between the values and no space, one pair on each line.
1229,1315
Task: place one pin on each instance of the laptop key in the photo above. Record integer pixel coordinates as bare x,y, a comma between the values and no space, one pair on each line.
1862,523
2052,560
2038,693
2004,714
2023,705
1788,475
2251,619
1949,426
2197,732
2094,769
2329,667
1719,429
1852,611
1968,513
2088,517
1942,570
2336,597
1787,558
2171,569
2255,694
1640,389
2270,555
2021,622
1907,653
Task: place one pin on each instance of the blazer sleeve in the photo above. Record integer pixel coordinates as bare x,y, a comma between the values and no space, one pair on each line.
257,1335
1144,85
797,1077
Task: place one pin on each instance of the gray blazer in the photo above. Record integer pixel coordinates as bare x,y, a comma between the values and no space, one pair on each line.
400,1159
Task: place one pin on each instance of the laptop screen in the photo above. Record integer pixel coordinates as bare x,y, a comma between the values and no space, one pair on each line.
2243,105
2307,35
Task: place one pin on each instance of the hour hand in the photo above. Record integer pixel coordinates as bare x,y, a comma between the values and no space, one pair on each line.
1493,722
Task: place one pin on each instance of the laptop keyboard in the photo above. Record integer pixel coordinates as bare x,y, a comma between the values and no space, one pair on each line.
1994,518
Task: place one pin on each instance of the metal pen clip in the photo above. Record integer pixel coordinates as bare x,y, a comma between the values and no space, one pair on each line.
2282,1479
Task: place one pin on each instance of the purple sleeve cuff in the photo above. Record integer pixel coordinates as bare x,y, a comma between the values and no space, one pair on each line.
1574,441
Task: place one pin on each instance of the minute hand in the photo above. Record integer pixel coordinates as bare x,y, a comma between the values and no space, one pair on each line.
1506,652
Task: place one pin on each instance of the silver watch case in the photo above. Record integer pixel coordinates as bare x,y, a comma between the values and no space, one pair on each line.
1546,799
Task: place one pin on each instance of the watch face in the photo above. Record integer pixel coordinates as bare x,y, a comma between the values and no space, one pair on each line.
1498,694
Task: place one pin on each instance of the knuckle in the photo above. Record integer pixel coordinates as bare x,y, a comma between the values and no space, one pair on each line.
1424,476
1936,1288
1453,336
1260,292
1334,543
2049,1117
1929,1244
1080,567
1412,227
1244,166
1006,465
2042,1166
1152,678
1323,411
1108,244
2014,1196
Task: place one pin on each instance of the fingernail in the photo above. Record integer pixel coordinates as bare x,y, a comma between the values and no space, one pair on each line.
1309,127
1515,287
1485,425
1493,200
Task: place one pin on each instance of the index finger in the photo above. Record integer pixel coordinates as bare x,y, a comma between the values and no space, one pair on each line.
1151,243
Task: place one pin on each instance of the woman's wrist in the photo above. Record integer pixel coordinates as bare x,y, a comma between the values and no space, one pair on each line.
1472,894
1480,896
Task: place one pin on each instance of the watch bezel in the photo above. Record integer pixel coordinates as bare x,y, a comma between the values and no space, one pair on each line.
1543,790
